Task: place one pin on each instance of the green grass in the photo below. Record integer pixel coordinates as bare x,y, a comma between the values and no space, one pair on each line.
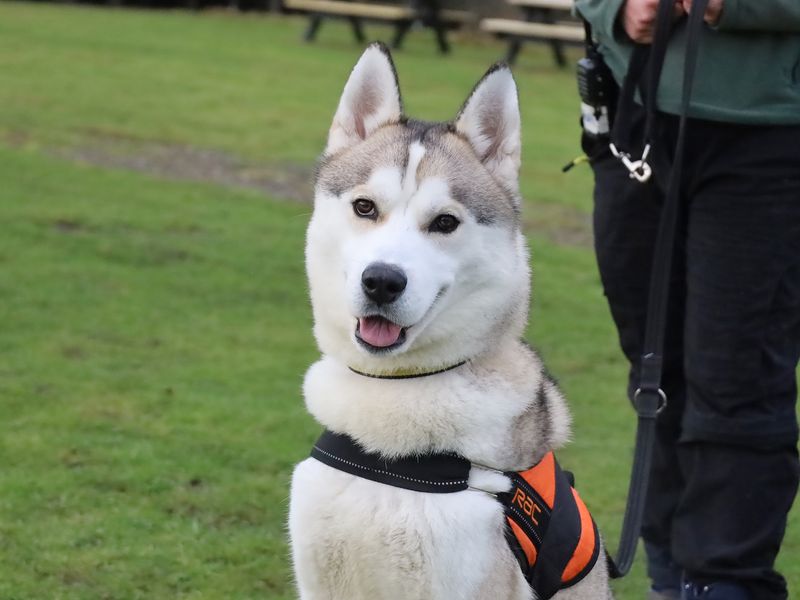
154,333
244,85
154,336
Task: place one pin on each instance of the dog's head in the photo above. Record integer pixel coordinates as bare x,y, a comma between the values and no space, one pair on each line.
414,252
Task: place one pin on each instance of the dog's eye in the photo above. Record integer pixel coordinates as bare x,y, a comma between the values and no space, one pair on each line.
365,208
444,224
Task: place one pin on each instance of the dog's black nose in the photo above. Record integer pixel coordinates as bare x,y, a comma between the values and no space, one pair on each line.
383,283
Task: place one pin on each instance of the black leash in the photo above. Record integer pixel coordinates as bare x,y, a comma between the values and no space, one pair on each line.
649,399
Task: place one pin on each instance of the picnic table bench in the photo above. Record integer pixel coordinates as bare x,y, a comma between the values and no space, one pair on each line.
427,13
545,21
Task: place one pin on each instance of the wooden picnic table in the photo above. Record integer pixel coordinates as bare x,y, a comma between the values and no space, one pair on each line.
562,5
427,13
542,22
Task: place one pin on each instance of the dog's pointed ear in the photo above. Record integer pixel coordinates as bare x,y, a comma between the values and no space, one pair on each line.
371,98
490,120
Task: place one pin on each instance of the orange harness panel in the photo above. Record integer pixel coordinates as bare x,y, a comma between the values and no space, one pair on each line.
550,529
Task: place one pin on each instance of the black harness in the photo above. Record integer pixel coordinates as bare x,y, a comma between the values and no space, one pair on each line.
553,542
431,473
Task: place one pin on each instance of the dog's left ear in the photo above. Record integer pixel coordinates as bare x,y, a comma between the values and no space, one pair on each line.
371,98
490,120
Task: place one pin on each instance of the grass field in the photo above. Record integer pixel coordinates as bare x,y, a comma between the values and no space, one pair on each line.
154,326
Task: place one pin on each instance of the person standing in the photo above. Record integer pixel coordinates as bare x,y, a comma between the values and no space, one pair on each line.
725,467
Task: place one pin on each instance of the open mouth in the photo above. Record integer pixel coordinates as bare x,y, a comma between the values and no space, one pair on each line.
377,333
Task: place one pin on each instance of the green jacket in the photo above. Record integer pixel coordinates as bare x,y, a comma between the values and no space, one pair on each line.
748,68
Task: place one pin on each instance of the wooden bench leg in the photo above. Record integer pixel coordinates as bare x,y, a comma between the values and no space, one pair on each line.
514,46
558,53
429,13
441,37
400,31
358,31
314,22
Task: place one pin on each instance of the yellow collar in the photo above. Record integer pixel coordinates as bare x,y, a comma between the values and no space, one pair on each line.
406,373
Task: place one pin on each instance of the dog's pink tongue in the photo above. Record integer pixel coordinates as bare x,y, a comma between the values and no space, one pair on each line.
378,332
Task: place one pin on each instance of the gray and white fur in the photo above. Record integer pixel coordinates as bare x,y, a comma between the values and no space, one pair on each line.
388,191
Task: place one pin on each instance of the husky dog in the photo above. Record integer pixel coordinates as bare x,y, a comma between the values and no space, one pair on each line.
417,265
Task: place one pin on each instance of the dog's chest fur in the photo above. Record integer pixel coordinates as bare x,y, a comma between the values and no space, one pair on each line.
501,411
354,538
360,539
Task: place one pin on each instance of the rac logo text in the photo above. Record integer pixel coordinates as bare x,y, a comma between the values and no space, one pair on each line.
527,504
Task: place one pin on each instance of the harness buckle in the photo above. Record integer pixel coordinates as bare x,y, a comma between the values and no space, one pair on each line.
637,169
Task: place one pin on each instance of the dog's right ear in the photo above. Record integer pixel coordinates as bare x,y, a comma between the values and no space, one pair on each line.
490,121
371,98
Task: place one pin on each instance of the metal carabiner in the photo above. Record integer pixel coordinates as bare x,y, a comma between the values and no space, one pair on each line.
637,169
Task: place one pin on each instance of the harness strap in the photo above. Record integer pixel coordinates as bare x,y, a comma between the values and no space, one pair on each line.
432,473
557,548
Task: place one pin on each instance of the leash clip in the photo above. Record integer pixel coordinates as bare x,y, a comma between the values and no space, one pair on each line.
637,169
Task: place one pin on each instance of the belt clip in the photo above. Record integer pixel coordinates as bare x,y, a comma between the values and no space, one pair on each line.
637,169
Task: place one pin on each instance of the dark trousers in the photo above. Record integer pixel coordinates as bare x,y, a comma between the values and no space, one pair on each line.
725,469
